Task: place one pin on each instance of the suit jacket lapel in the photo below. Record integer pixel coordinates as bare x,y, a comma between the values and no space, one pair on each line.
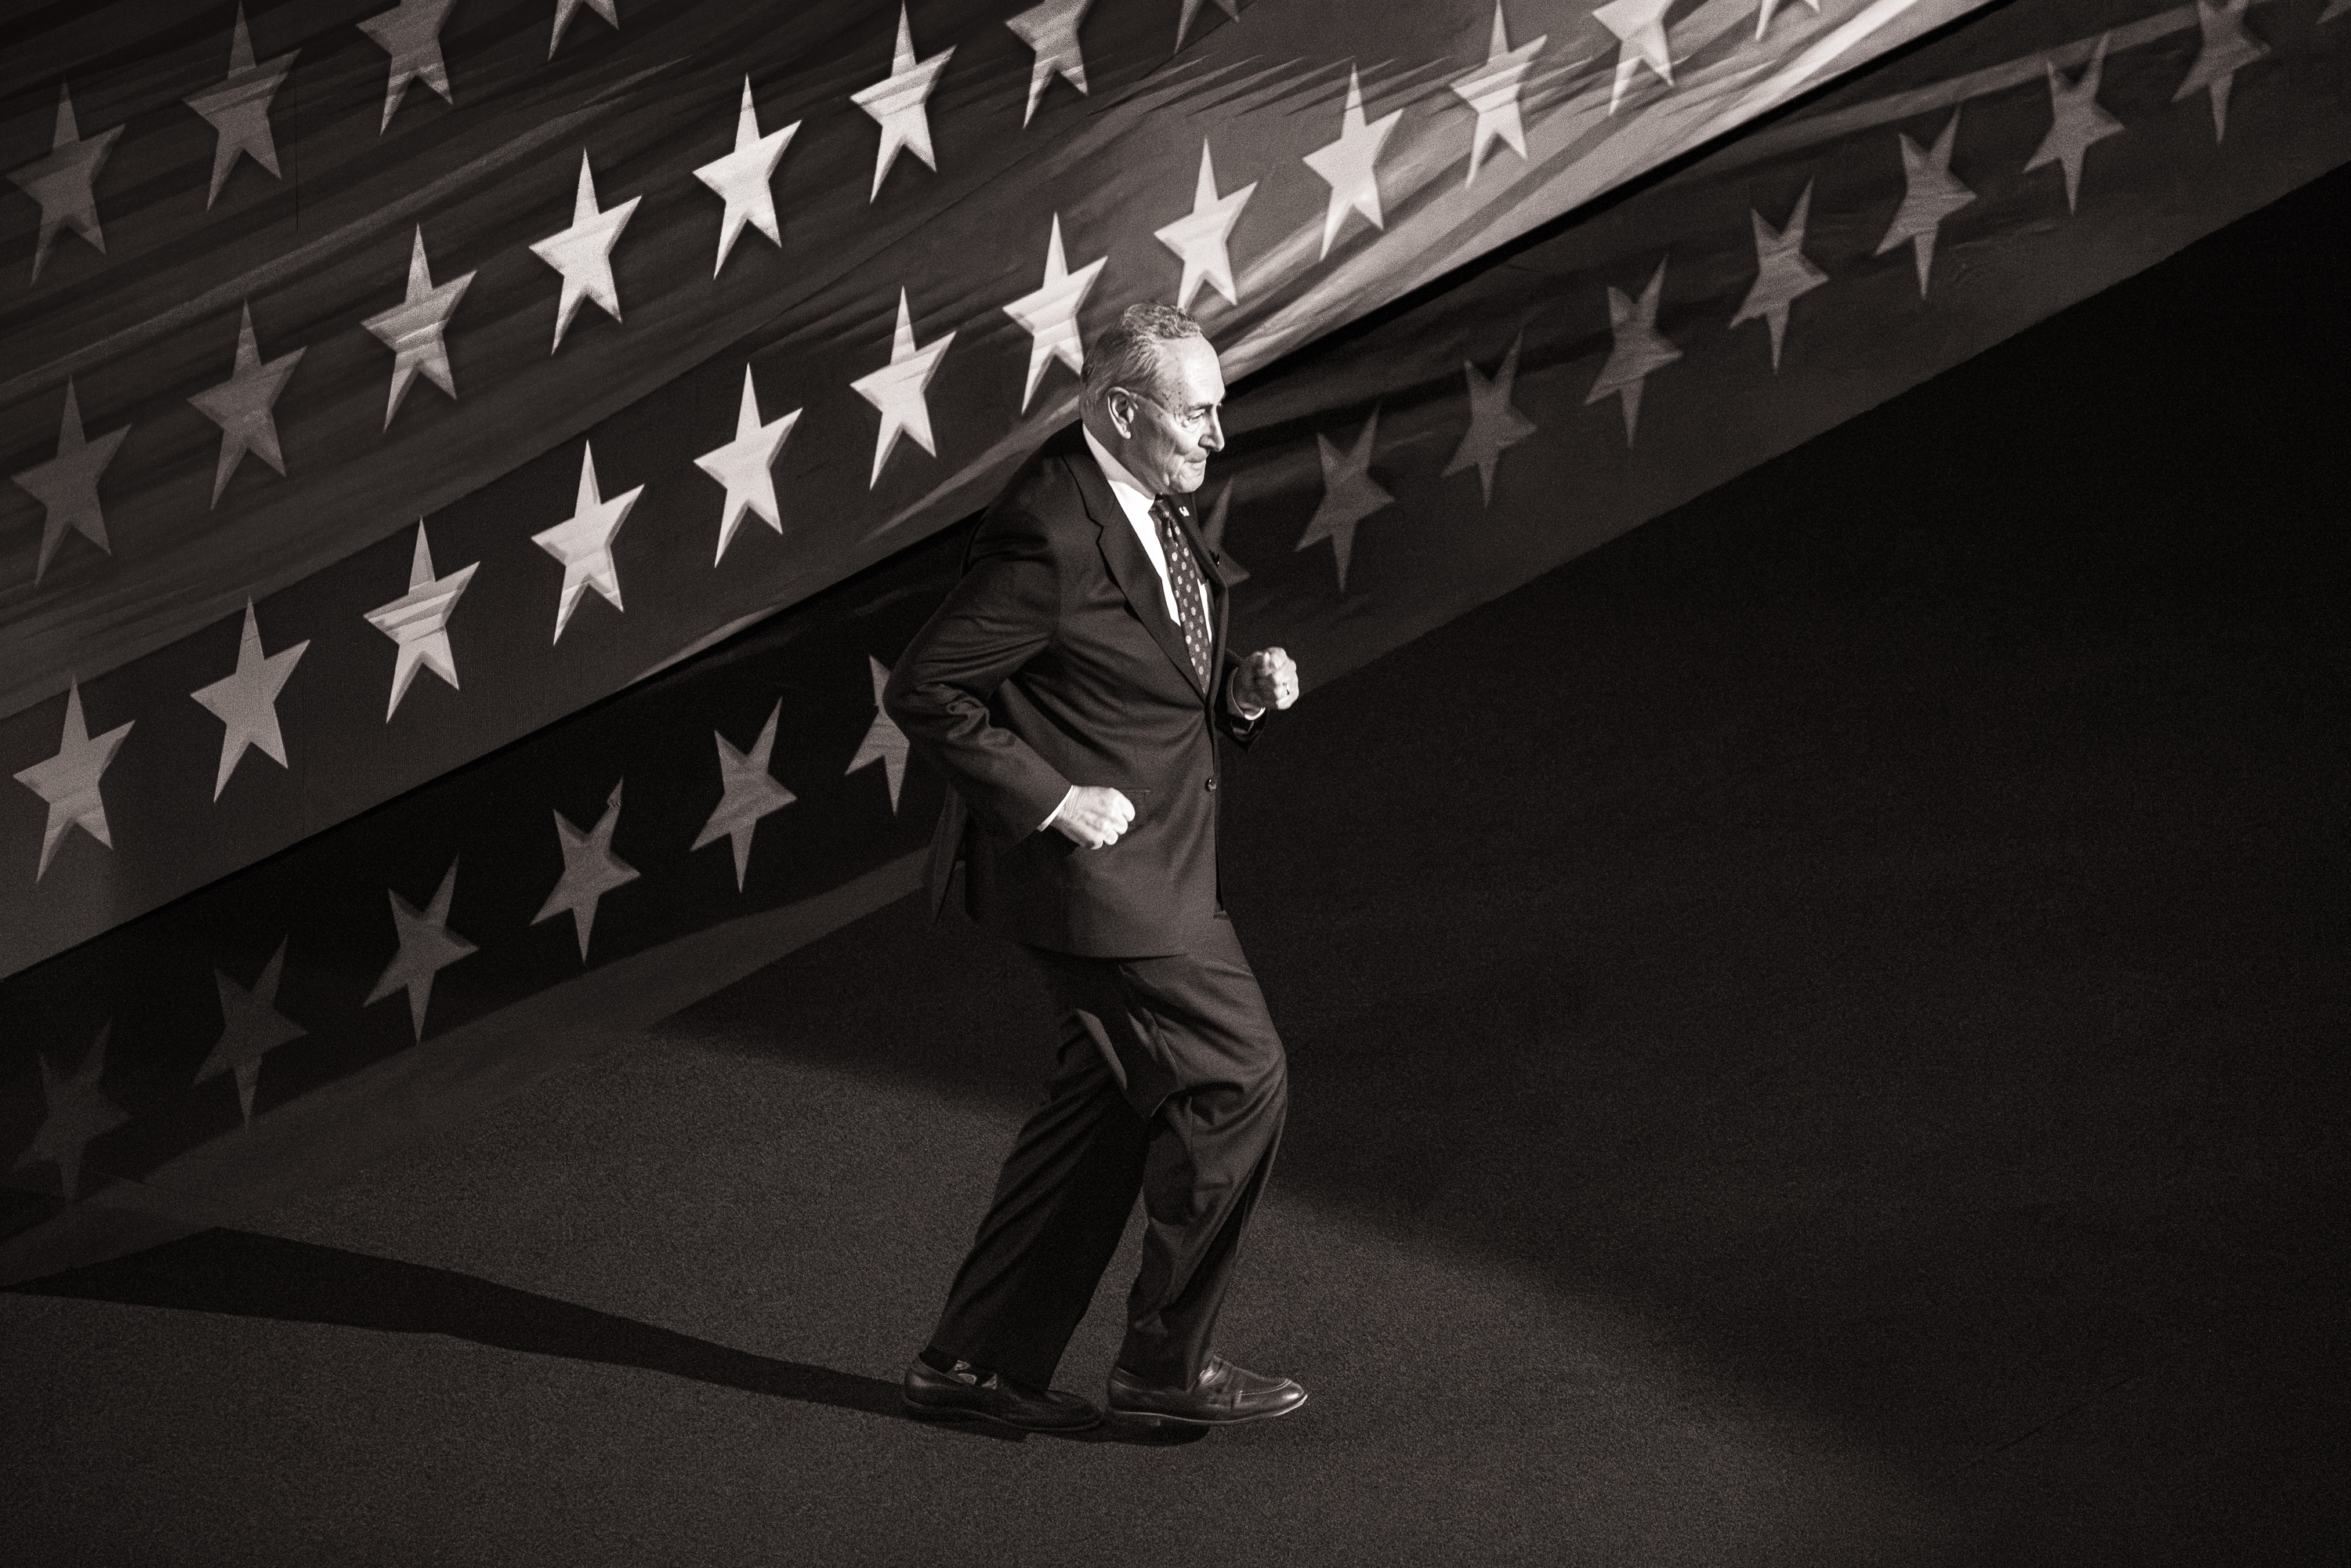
1130,568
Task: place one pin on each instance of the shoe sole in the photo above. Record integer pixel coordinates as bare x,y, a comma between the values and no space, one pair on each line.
959,1412
1162,1419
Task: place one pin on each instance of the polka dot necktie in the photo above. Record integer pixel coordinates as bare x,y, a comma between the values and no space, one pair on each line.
1184,577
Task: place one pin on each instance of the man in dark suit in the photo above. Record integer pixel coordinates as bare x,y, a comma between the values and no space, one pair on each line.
1071,690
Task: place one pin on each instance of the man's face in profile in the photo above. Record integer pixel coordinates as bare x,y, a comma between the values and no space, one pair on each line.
1173,430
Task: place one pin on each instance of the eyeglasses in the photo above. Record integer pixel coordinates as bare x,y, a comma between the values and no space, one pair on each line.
1190,423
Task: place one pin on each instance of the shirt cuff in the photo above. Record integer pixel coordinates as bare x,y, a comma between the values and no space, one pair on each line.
1246,714
1067,796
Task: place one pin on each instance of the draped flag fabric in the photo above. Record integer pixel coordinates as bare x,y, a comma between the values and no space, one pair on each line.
402,964
382,384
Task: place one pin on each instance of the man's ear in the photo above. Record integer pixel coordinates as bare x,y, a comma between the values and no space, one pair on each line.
1123,424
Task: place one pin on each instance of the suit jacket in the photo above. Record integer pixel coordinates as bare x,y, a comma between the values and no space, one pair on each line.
1054,662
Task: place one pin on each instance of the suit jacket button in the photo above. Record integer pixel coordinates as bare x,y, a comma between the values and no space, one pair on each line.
1212,783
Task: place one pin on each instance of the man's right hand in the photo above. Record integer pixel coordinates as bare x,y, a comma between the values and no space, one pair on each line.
1094,816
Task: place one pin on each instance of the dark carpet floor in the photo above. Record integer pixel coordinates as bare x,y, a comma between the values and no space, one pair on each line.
1817,1032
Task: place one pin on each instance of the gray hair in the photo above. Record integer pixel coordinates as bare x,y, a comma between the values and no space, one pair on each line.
1126,353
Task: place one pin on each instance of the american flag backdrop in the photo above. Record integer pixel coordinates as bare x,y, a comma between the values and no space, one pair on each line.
1395,459
482,357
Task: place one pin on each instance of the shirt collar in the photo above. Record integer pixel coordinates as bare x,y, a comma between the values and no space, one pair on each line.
1117,474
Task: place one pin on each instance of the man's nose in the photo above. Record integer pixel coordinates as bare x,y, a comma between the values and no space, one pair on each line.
1213,438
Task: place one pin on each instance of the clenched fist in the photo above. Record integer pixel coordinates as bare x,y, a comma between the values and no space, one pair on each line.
1266,678
1094,816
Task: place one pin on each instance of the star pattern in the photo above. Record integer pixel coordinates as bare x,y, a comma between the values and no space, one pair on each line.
1639,350
747,792
1199,238
885,742
1350,495
2228,48
1765,11
1782,273
1495,423
584,543
583,253
741,179
745,466
566,9
1640,29
1049,315
67,484
251,1028
64,181
2076,121
1051,30
75,1113
418,622
246,700
68,781
427,946
897,103
897,390
410,34
1192,8
1492,90
413,330
591,869
1929,194
1350,166
241,405
238,109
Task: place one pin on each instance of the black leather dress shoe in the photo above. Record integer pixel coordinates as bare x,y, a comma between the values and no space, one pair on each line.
1225,1393
944,1395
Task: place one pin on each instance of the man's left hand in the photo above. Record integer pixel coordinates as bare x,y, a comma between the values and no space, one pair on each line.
1266,678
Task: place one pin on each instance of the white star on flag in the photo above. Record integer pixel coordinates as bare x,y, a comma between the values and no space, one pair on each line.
1763,13
746,793
1349,496
897,390
584,543
566,9
238,109
1350,165
1192,8
885,742
418,621
2076,121
246,700
591,869
1198,238
1638,350
68,781
1051,314
251,1028
410,34
61,181
1495,424
583,253
896,102
1492,90
2227,48
741,178
745,466
1640,27
241,405
427,946
412,329
1929,194
67,484
1051,30
75,1112
1782,272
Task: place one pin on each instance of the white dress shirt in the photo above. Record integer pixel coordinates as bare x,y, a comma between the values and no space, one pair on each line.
1136,502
